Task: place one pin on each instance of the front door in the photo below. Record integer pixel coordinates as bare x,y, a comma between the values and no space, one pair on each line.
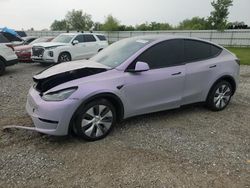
161,87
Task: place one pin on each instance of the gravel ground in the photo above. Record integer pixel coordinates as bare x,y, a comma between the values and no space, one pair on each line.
188,147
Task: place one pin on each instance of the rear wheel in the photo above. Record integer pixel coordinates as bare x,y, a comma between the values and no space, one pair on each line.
220,96
2,67
95,120
64,57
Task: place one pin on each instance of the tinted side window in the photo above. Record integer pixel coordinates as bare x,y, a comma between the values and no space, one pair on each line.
101,37
89,38
164,54
79,38
197,50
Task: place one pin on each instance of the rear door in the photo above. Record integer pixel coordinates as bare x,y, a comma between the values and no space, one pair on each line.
90,45
161,87
200,59
79,50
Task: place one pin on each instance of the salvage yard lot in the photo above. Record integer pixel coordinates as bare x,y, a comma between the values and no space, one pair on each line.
187,147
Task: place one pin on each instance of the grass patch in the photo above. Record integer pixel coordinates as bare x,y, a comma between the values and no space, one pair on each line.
242,53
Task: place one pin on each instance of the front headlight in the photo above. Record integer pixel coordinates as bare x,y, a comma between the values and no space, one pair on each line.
59,95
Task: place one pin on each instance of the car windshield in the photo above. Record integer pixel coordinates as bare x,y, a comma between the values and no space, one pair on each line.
3,39
117,53
63,38
39,40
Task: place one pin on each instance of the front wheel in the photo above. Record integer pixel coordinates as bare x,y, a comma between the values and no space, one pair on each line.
95,120
220,96
64,57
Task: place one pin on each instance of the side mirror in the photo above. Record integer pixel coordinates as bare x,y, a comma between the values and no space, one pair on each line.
75,42
141,67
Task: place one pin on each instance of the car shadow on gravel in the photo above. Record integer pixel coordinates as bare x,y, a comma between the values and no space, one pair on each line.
22,135
10,72
199,107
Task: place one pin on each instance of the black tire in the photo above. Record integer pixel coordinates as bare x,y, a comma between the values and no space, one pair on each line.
2,67
219,96
64,57
100,49
95,120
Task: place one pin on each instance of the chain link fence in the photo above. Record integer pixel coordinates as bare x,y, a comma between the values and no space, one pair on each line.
237,38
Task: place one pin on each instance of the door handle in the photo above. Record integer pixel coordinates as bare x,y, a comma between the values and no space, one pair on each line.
177,73
213,66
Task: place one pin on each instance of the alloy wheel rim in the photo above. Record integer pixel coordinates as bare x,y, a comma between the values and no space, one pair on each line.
97,121
64,58
222,96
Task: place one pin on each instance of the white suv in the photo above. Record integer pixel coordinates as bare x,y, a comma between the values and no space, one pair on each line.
7,57
69,47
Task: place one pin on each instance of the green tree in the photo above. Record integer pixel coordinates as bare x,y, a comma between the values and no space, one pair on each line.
126,28
78,20
196,23
129,28
59,25
154,26
97,26
218,17
110,24
143,27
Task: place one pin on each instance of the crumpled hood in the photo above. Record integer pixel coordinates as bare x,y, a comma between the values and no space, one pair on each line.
67,67
66,72
50,44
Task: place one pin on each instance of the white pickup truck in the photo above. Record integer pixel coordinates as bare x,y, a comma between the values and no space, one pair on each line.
7,57
69,47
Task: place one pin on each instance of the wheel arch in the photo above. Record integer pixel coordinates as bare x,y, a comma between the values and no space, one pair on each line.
65,51
111,97
228,78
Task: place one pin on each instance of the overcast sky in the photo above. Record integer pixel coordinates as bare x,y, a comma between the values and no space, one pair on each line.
39,14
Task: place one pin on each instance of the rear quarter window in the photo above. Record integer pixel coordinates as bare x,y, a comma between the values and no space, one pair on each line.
101,37
198,50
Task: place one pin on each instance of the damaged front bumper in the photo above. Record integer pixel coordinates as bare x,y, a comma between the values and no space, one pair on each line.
49,117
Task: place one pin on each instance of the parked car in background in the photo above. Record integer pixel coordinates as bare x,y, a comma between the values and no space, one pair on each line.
133,76
7,57
28,40
3,39
69,47
11,40
14,40
23,52
21,33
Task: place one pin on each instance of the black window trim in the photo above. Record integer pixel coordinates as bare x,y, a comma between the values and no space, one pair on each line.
179,64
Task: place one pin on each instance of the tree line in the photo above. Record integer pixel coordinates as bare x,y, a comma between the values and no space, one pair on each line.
77,20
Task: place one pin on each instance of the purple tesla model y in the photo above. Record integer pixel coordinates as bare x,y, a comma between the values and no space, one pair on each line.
131,77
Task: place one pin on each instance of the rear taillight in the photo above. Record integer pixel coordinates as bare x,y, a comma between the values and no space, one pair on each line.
237,61
10,46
